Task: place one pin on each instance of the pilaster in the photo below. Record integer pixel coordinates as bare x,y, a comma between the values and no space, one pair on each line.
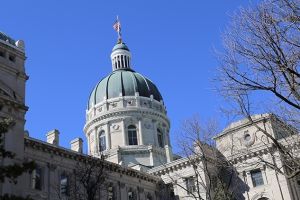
141,132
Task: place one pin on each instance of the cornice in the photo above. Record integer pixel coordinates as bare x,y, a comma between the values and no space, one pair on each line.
12,47
69,154
121,113
14,71
9,101
243,123
173,166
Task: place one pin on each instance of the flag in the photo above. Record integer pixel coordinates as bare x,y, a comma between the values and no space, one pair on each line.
117,26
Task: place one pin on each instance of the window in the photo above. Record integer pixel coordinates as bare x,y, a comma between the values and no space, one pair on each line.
102,141
64,185
149,197
132,136
2,54
110,192
131,195
190,185
257,178
12,58
160,138
37,178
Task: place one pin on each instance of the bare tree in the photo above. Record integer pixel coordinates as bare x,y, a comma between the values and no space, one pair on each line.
214,177
87,181
259,70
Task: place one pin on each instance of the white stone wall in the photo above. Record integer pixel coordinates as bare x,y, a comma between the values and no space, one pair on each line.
115,115
252,153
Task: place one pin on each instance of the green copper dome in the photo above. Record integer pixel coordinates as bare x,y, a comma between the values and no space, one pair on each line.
6,38
123,82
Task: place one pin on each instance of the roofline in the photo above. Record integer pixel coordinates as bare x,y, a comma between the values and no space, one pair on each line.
12,46
236,125
64,152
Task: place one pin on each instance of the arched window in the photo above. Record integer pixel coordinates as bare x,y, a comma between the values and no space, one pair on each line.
132,136
102,141
160,138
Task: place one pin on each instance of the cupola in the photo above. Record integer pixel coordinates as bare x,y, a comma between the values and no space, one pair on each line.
120,56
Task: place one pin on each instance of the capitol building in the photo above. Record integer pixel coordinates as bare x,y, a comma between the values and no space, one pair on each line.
130,156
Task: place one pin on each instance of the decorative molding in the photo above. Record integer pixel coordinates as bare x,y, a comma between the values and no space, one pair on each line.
124,113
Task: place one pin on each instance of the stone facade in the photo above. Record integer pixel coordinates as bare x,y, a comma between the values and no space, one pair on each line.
249,149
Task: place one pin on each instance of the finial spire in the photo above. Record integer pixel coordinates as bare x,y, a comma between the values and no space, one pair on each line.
117,27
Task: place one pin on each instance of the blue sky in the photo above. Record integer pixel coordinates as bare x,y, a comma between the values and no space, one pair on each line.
68,46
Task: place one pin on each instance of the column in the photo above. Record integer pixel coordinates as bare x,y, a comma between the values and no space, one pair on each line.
166,136
249,179
155,133
151,157
123,132
108,138
96,142
141,132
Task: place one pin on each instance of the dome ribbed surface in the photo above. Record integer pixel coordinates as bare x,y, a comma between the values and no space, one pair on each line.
123,82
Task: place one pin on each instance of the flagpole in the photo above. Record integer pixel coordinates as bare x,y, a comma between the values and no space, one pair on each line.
119,29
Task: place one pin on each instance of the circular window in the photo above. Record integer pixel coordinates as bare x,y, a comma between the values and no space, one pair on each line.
247,137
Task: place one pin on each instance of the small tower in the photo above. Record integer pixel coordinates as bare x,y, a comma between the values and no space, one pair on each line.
120,56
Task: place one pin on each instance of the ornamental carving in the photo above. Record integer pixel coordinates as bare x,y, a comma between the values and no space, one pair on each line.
114,104
116,127
148,126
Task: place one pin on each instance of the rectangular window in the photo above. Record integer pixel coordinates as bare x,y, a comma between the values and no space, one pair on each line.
64,185
257,178
190,185
160,140
132,137
2,54
37,175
